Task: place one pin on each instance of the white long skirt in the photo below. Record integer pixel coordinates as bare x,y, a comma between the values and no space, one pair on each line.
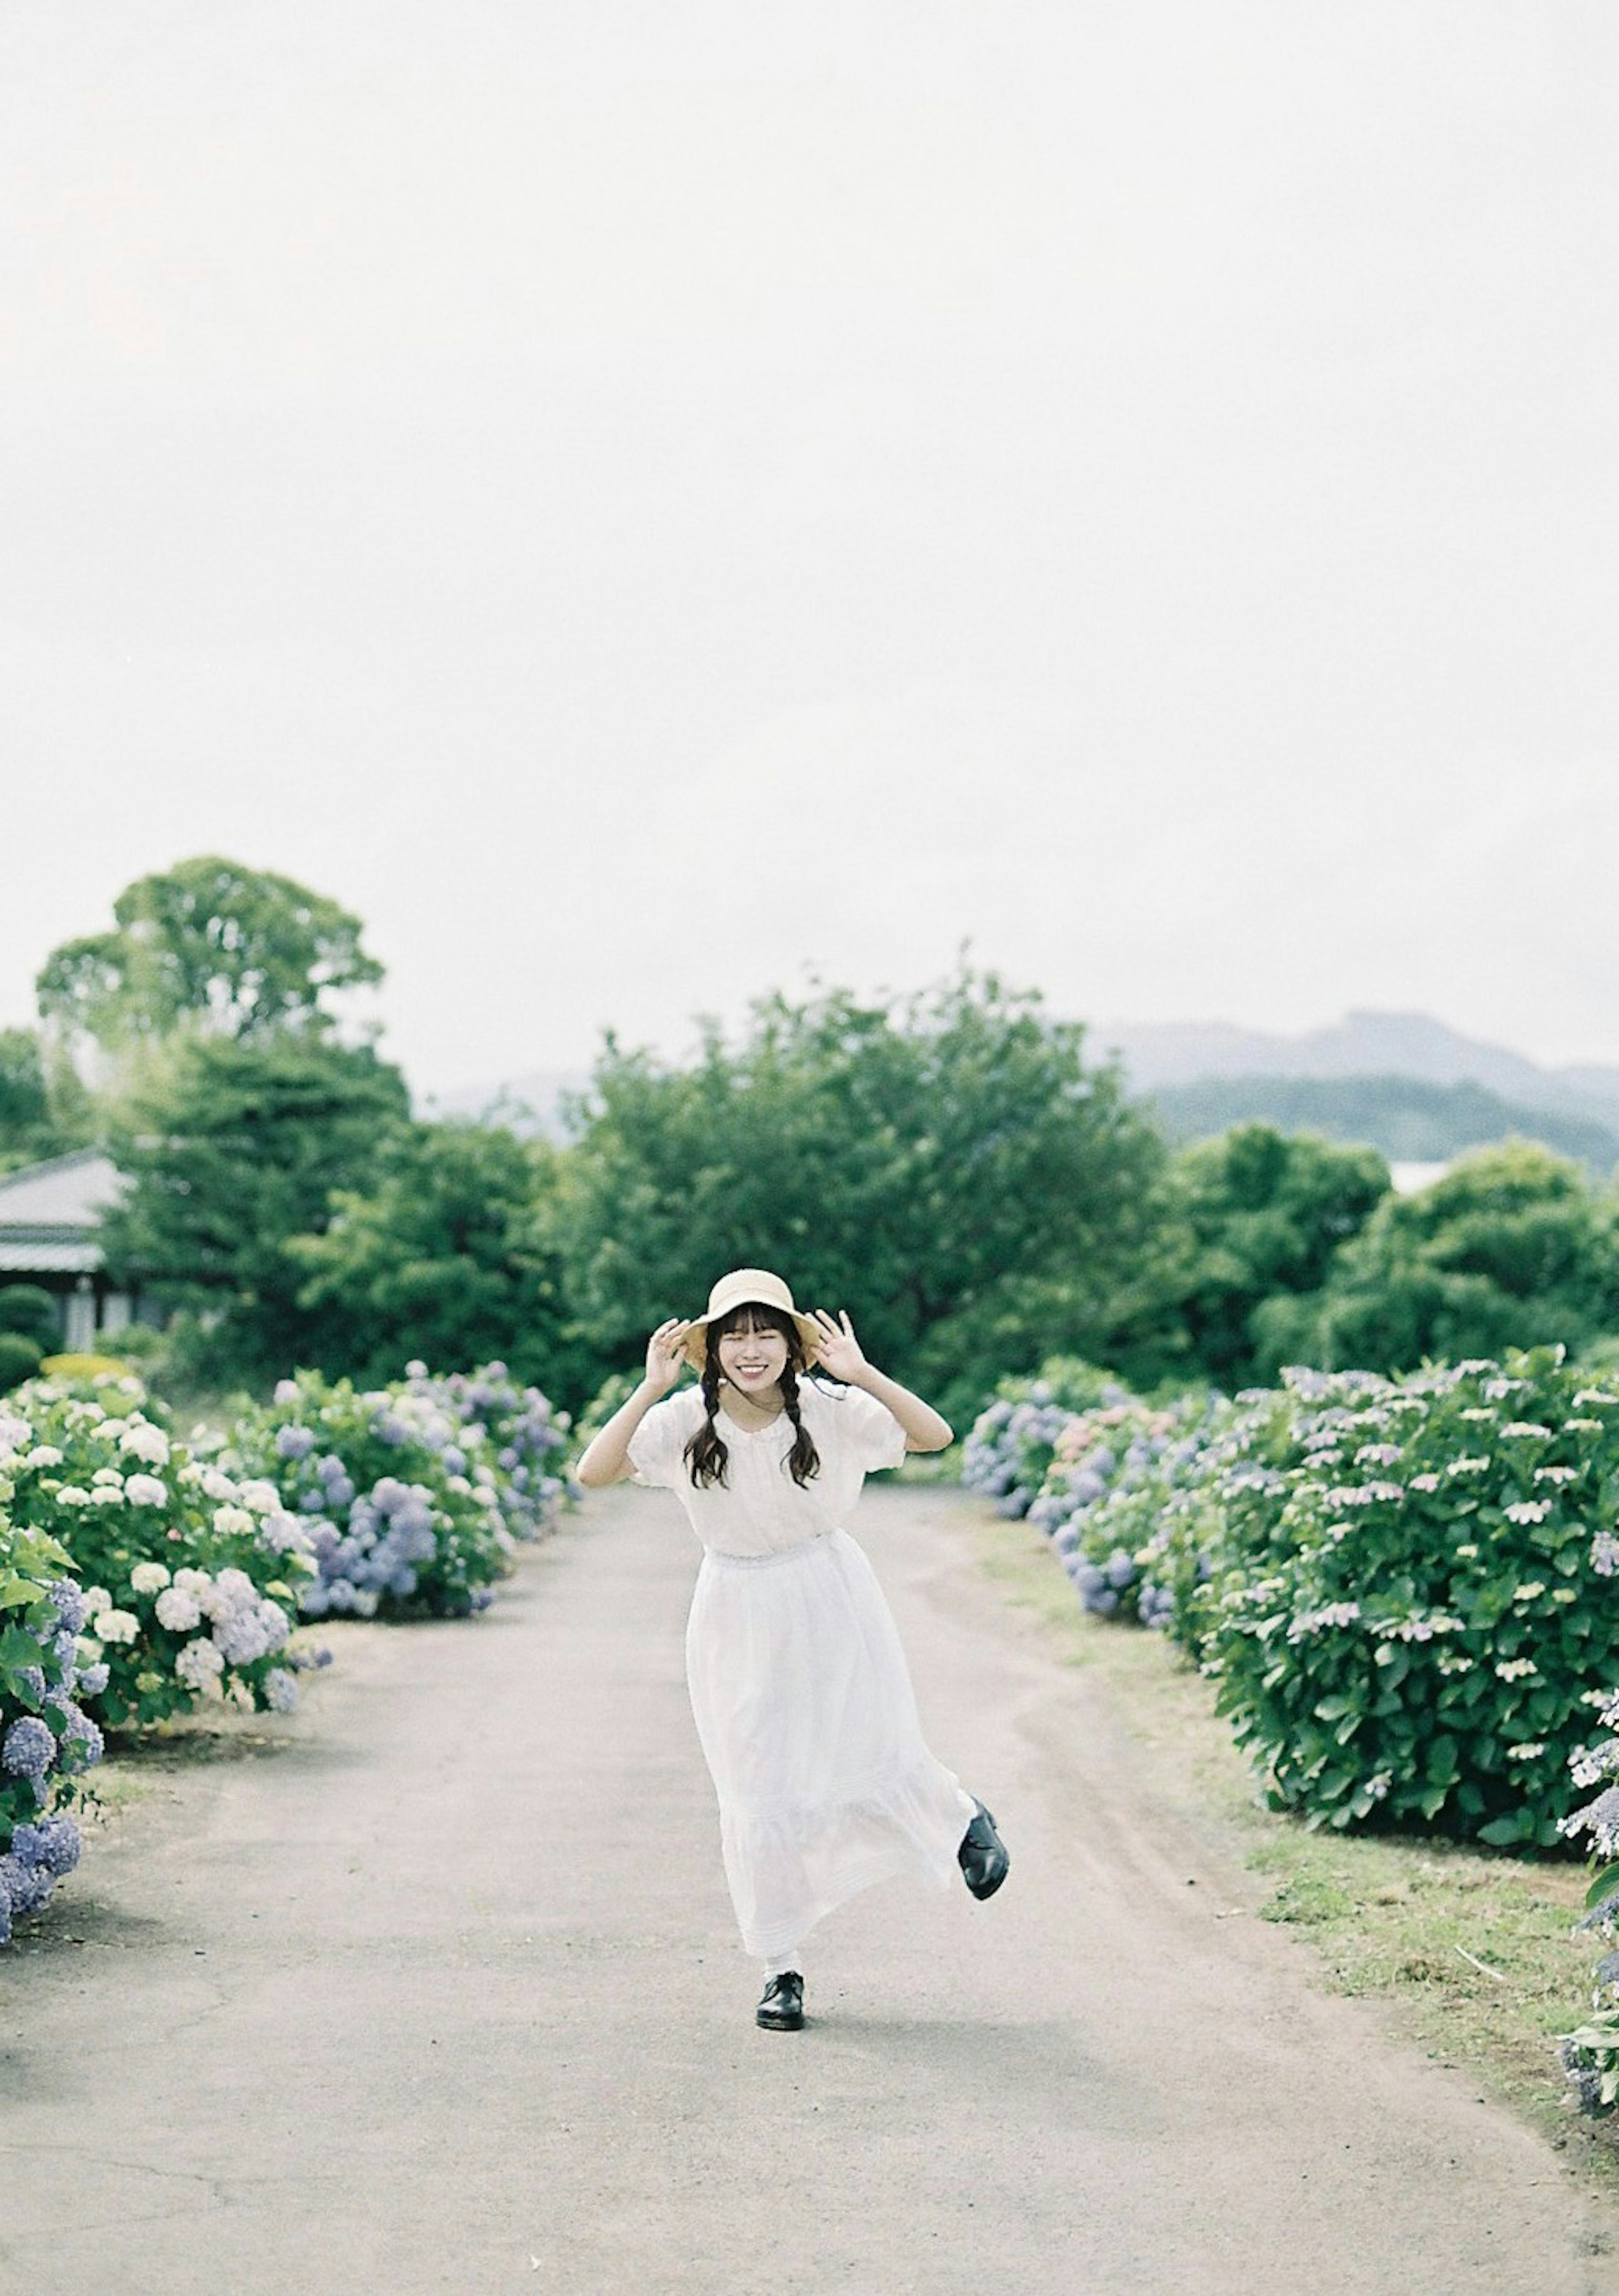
806,1718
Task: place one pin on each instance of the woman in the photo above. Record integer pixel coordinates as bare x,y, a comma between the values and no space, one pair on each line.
799,1685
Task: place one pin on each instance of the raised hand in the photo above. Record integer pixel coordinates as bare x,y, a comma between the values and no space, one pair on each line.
665,1354
839,1352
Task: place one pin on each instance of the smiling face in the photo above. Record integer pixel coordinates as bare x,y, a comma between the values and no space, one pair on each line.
754,1350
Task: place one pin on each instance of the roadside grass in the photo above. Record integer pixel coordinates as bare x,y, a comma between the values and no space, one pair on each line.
1471,1952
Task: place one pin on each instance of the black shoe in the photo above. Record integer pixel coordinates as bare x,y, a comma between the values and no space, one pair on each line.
781,2010
982,1855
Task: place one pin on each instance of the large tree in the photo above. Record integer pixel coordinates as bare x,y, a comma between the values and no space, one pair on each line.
1512,1247
237,951
1265,1215
231,1149
949,1168
440,1257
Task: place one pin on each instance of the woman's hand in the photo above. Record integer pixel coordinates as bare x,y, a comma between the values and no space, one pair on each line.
665,1354
840,1352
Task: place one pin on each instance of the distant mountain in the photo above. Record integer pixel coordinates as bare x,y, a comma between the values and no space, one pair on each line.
1411,1121
1366,1044
530,1104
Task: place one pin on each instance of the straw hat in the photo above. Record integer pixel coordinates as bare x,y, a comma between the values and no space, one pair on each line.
747,1287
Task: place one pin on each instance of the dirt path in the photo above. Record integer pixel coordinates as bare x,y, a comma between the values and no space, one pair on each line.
439,1992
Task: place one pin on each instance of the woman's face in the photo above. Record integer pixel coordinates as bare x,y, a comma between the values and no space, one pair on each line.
752,1357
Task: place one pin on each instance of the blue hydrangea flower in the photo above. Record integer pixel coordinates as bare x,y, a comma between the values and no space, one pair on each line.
293,1442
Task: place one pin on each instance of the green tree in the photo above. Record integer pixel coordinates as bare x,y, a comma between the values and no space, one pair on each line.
231,1149
44,1109
1512,1247
441,1257
241,952
948,1167
1266,1213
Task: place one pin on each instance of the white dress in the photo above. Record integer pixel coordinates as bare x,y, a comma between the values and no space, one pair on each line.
798,1685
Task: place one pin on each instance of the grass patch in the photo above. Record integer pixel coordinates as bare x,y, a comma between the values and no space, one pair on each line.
1471,1950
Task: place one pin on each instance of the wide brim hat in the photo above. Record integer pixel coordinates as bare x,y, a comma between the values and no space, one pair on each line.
748,1287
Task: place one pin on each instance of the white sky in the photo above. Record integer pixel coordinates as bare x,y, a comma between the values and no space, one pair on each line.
638,499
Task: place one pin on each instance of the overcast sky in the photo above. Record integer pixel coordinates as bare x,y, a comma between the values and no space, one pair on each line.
642,500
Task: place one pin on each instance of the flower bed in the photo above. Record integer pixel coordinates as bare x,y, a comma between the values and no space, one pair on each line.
1414,1597
1008,1452
46,1739
413,1495
188,1574
1402,1587
1121,1501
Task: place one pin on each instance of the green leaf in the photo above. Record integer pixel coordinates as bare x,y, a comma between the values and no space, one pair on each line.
1604,1883
1502,1832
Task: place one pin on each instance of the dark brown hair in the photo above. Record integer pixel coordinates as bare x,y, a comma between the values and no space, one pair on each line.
706,1455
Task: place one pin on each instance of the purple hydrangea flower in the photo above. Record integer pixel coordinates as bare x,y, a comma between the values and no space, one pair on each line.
294,1442
69,1605
29,1748
82,1743
52,1843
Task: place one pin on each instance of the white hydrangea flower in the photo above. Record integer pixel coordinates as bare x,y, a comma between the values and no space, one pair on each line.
458,1484
178,1610
217,1485
116,1626
149,1577
42,1454
146,1490
262,1497
232,1522
237,1588
107,1494
1528,1511
199,1663
143,1440
96,1598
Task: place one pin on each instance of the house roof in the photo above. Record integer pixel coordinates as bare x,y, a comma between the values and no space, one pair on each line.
48,1213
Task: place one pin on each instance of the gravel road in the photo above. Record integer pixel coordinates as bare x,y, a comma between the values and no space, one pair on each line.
433,1986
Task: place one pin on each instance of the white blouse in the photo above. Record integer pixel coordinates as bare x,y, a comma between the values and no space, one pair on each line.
760,1509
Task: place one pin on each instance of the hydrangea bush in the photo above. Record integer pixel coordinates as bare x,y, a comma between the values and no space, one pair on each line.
1123,1502
46,1739
1590,2052
1413,1592
511,1430
189,1576
1011,1443
400,1489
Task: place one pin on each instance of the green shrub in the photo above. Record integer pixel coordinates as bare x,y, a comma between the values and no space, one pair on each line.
27,1308
1411,1594
19,1359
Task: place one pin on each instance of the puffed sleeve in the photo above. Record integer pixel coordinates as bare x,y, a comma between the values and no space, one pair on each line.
875,1437
654,1450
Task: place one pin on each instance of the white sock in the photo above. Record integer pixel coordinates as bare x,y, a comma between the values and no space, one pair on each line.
779,1967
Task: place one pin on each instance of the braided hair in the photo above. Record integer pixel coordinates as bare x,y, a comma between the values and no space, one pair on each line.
706,1455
